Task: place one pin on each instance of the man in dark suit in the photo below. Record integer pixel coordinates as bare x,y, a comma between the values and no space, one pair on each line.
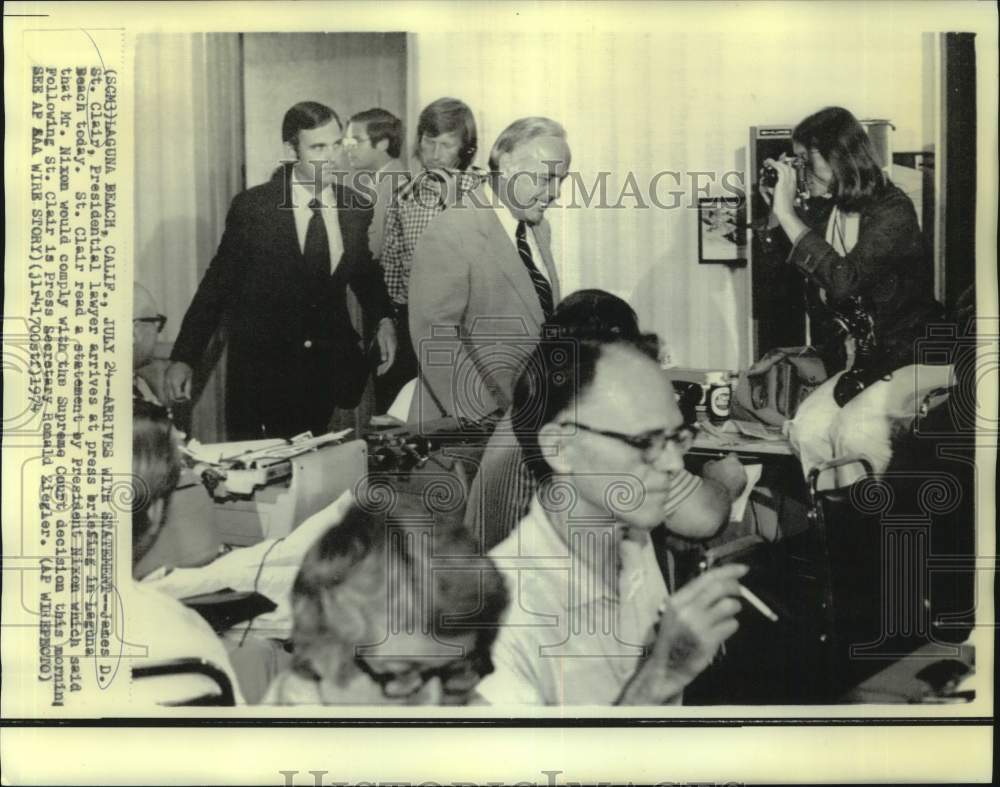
278,281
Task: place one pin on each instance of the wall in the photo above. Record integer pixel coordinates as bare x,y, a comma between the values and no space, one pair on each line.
350,72
188,166
648,102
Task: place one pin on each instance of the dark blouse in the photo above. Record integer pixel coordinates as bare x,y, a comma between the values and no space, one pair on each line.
888,271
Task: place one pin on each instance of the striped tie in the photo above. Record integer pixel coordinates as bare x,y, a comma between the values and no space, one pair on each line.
542,286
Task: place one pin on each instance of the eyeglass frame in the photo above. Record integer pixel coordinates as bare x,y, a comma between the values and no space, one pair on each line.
644,442
160,320
479,665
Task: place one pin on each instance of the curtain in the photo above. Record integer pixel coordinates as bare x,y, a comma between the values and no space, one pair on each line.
188,167
636,105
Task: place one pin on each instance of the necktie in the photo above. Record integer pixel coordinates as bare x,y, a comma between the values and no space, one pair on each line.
317,247
542,286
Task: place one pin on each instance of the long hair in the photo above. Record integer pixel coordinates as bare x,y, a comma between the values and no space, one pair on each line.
447,116
840,139
156,469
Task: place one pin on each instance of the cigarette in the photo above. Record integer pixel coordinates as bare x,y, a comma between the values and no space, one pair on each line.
759,605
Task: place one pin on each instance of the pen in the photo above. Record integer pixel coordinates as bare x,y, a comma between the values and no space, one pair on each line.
759,605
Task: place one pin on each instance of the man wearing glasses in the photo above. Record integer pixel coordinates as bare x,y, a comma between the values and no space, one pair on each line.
590,619
372,142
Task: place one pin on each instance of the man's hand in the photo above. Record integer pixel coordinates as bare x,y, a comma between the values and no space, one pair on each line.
386,338
698,618
728,472
177,382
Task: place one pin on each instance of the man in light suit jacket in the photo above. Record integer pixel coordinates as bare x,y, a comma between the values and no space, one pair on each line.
290,249
483,278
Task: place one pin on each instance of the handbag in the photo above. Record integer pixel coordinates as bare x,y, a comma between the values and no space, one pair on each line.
773,388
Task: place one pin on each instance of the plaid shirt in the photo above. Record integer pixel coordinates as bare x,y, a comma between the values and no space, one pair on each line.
412,209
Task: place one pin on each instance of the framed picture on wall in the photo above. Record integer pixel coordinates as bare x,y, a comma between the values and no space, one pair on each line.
722,230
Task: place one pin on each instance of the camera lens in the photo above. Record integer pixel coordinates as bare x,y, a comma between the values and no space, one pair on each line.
768,176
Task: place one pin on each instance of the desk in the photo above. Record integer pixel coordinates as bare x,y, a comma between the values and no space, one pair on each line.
713,439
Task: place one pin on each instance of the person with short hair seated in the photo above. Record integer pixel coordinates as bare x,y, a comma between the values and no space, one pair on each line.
591,620
384,616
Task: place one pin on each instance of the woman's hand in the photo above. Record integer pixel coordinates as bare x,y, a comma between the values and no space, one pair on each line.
783,198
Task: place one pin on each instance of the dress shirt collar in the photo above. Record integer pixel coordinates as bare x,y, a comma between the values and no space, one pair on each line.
302,195
507,219
602,564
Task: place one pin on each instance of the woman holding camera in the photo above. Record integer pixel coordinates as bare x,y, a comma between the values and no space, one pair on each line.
873,277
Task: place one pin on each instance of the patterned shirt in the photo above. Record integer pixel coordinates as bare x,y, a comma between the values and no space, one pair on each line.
411,211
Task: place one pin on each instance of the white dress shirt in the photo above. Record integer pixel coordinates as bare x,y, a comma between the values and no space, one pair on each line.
579,616
509,223
302,196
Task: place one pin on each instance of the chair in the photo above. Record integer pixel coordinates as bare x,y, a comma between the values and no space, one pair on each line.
400,408
897,552
223,694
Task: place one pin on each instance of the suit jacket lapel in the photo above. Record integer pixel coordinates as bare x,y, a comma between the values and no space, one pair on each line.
511,265
284,221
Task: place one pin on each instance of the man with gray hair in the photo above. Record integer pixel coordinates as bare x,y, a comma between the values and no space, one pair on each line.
484,280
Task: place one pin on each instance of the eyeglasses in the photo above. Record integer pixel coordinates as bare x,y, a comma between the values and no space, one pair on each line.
159,321
457,677
652,444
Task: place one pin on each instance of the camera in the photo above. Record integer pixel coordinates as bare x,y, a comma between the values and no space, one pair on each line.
857,321
768,175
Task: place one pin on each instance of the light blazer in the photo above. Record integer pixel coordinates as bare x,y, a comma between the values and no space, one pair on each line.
474,313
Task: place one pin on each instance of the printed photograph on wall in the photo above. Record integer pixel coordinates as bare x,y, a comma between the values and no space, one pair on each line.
722,230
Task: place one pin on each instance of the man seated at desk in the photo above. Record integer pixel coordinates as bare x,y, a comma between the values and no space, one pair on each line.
696,506
590,619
